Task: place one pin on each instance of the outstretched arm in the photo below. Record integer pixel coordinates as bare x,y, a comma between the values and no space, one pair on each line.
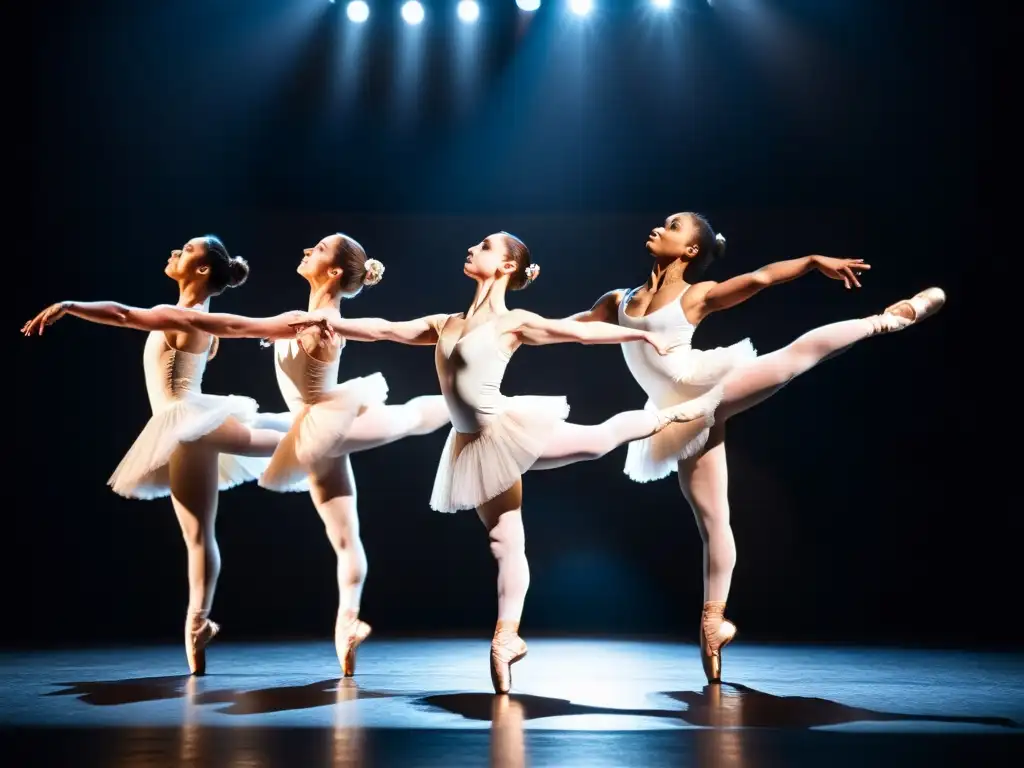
606,310
718,296
422,331
536,330
227,326
166,318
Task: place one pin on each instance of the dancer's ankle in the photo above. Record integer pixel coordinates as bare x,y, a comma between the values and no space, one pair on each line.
503,626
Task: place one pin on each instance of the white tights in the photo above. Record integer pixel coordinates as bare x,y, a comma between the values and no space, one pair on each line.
571,443
333,487
704,479
503,516
194,479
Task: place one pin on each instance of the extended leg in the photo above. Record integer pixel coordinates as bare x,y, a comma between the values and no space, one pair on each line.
383,424
239,439
763,377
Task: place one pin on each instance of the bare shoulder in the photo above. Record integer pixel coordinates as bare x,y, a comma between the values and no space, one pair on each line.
439,321
697,293
612,299
517,318
607,306
693,299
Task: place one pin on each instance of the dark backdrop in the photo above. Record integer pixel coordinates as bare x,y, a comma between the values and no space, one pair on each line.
868,501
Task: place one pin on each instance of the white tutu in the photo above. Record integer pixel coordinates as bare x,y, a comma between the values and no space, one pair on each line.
504,449
695,372
144,472
318,431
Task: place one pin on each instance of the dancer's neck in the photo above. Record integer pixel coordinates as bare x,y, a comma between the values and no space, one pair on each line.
666,273
489,298
191,295
324,298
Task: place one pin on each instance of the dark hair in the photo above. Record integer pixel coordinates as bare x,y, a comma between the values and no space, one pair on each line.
526,270
350,256
226,271
710,246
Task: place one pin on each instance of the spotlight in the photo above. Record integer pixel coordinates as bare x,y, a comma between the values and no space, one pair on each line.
581,7
469,11
358,11
412,12
661,4
528,5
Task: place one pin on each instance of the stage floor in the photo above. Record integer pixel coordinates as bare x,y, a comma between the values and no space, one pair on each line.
575,703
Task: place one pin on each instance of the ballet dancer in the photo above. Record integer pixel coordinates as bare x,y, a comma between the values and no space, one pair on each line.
194,445
669,305
495,439
327,421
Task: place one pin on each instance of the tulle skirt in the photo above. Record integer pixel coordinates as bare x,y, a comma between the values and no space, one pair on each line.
318,431
495,458
144,472
696,371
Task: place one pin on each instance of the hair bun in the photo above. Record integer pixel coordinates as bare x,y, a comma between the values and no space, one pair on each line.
238,270
531,272
719,244
374,272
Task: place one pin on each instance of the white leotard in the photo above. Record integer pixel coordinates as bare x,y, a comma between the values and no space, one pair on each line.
678,377
508,433
182,413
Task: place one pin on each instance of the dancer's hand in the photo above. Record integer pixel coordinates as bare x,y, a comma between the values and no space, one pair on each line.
663,344
48,316
841,269
307,321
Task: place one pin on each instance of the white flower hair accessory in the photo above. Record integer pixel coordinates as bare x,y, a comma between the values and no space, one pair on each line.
374,272
532,271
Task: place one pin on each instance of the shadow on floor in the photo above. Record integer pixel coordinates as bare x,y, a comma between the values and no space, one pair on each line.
734,705
717,706
296,697
105,693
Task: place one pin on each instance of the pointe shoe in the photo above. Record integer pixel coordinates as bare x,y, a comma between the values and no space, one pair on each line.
199,632
923,305
347,640
702,407
507,647
715,633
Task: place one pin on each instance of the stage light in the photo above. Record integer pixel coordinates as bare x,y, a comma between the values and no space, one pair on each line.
468,10
412,12
581,7
528,5
358,11
661,4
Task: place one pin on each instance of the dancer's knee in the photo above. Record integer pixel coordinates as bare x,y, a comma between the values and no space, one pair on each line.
195,534
342,540
507,539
